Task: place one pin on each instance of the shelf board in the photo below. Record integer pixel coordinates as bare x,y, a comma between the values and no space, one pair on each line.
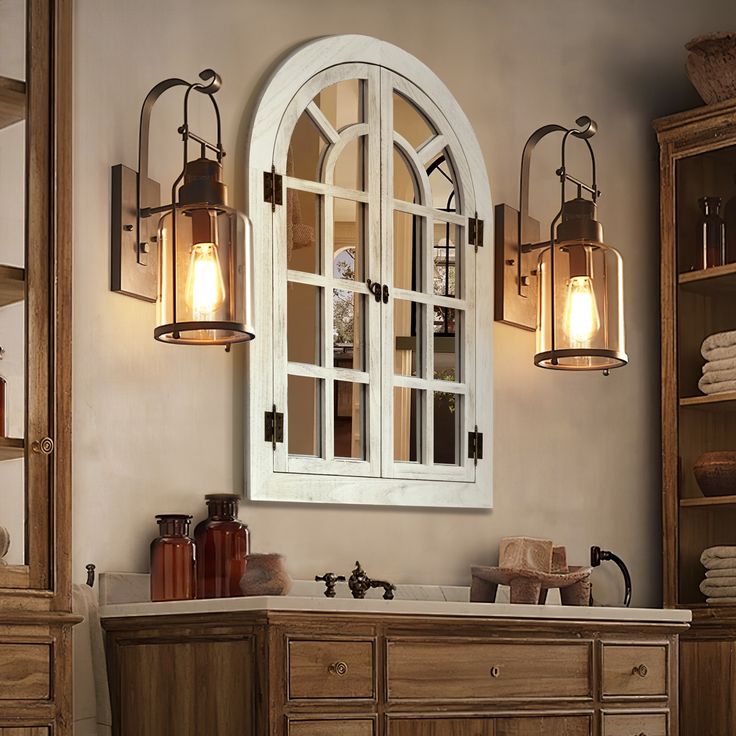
12,101
700,502
12,285
725,401
12,448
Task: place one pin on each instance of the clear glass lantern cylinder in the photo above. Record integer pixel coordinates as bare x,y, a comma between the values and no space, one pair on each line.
205,271
580,318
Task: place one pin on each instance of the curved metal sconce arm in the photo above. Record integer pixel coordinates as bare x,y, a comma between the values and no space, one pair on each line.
213,84
587,128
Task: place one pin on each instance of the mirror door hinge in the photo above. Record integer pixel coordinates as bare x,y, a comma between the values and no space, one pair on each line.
273,427
475,232
475,445
273,188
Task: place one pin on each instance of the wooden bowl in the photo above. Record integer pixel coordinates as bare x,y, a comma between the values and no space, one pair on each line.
711,66
715,473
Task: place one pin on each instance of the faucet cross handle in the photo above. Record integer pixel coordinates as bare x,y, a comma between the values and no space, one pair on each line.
330,580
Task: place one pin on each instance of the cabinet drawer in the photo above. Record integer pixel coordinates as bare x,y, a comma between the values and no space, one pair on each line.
331,669
25,671
631,670
449,670
635,724
336,727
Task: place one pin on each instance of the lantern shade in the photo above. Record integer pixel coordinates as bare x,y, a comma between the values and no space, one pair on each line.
580,319
205,271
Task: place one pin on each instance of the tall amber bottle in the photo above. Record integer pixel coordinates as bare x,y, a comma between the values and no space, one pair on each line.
223,544
173,576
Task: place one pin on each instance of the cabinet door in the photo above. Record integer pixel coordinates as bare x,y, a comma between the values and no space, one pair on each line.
442,727
24,731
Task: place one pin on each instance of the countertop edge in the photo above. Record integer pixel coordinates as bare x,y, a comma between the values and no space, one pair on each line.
265,604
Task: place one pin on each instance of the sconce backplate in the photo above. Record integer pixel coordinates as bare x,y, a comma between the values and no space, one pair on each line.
134,266
513,305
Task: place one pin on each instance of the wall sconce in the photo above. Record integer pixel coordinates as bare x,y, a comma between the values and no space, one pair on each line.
570,287
194,255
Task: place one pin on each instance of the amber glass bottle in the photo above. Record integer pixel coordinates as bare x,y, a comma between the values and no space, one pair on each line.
223,544
173,576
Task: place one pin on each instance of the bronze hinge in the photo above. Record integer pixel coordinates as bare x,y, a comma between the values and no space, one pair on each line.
273,188
475,232
274,427
475,445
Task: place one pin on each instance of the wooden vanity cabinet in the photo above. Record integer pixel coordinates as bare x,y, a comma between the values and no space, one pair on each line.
337,674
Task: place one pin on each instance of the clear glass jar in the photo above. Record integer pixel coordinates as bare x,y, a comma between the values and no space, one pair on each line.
173,576
223,545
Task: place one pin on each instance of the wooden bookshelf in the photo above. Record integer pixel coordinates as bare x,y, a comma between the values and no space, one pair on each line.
12,448
12,285
12,101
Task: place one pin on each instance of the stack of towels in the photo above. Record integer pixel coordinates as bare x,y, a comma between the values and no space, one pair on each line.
719,585
719,371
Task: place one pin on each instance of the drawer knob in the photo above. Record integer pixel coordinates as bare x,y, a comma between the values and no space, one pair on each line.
338,668
495,671
641,670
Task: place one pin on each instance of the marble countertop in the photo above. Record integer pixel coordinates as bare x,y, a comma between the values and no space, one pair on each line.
407,607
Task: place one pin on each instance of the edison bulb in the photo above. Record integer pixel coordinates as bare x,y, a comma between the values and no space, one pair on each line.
581,320
205,288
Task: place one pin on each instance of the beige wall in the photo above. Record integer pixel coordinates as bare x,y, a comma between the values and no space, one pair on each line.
576,456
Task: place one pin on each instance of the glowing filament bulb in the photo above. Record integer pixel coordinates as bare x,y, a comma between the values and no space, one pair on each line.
581,320
205,289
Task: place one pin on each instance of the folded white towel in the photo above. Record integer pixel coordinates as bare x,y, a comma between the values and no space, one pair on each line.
714,342
718,591
713,557
721,354
726,572
724,364
718,376
719,601
91,695
726,581
721,387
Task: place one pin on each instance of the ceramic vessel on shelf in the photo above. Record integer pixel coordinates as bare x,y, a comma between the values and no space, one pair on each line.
711,66
223,544
715,473
4,544
172,560
265,574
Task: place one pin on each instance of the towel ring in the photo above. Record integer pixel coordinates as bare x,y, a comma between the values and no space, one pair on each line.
91,575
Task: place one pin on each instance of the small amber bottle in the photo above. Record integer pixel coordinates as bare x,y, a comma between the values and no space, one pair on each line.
173,574
223,545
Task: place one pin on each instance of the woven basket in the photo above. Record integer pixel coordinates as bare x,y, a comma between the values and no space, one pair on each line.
711,66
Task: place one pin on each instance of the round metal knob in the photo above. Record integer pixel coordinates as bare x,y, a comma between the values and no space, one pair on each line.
495,671
641,670
44,446
338,668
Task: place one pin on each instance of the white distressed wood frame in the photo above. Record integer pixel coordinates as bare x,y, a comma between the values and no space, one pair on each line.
287,94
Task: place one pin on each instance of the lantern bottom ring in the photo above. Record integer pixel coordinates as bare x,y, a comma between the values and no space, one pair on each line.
166,333
552,358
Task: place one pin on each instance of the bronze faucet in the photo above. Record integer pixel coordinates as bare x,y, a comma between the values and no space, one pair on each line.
359,583
330,580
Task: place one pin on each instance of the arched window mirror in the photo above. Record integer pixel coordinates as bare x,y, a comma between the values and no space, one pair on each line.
370,380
